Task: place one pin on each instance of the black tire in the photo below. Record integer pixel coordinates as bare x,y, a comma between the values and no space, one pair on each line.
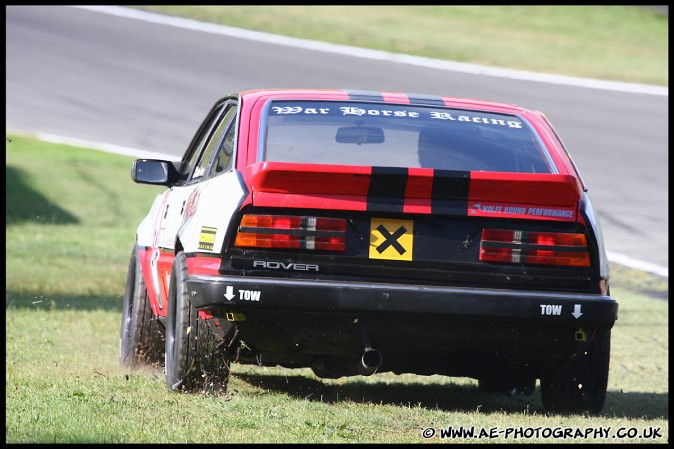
580,386
141,339
195,362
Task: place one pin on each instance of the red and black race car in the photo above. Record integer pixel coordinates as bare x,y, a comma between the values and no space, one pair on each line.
356,232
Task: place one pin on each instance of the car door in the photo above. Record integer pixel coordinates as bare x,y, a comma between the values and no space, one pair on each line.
171,214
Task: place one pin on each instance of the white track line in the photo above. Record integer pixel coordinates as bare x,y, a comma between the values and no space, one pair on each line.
107,147
628,261
376,54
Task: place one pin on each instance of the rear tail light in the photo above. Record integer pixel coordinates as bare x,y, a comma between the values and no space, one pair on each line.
539,248
292,232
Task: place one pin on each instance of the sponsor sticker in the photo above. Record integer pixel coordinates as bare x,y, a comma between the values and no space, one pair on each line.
207,238
522,211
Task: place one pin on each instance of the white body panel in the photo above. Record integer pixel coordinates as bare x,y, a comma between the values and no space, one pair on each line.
218,199
183,219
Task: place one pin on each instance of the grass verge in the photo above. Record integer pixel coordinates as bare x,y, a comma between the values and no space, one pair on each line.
71,215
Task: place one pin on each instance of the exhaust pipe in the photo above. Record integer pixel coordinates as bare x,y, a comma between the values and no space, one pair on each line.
371,358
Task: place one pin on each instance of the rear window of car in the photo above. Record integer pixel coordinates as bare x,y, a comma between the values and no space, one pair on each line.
355,133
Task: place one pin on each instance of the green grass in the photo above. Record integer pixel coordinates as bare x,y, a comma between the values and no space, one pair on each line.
71,215
623,43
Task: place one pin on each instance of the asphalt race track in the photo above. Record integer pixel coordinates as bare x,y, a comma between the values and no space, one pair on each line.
89,75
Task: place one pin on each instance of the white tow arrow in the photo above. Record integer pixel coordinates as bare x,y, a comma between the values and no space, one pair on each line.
229,293
576,311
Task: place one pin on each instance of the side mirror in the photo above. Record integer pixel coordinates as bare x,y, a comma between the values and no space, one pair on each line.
154,171
359,135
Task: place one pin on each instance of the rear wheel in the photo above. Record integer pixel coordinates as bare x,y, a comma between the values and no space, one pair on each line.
141,337
195,362
581,385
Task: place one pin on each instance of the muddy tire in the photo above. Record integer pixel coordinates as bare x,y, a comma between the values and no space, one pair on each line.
142,336
580,386
195,358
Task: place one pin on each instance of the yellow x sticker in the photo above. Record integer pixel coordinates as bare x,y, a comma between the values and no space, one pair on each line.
391,239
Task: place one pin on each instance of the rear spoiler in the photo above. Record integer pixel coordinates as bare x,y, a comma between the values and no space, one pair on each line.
414,190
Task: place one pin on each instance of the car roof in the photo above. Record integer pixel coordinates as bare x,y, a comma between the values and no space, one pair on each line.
381,97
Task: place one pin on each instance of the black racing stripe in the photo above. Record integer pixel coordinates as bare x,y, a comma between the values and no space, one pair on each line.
450,192
387,189
365,95
431,100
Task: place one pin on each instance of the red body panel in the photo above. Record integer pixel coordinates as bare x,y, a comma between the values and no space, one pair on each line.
548,197
204,265
418,192
145,256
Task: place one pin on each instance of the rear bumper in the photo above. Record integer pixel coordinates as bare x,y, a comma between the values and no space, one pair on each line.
540,309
